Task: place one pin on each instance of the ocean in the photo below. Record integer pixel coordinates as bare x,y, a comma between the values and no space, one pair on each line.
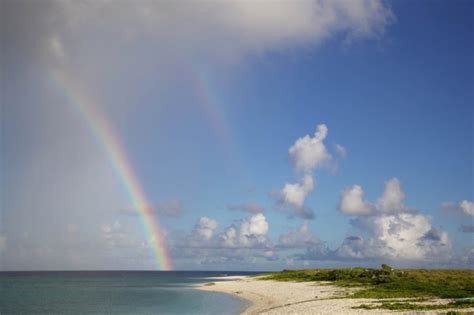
114,292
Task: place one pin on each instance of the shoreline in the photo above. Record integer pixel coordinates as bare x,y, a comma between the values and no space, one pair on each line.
277,297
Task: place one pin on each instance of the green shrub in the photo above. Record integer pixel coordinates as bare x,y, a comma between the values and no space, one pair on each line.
411,306
388,282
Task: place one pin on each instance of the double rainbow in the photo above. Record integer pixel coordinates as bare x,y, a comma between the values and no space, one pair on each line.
107,136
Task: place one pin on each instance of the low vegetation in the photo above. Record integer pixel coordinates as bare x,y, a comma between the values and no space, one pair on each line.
388,282
418,307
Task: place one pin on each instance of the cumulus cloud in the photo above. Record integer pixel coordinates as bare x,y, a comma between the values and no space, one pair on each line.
300,237
465,206
340,150
255,225
247,207
394,231
251,232
292,197
295,194
411,236
308,153
205,228
352,202
392,198
244,241
399,237
390,202
352,247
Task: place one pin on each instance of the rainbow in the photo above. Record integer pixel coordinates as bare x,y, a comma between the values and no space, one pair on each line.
107,136
207,100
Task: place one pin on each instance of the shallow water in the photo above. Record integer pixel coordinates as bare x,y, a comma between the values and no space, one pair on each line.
113,292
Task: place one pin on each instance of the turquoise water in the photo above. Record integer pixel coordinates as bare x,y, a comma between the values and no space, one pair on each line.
113,292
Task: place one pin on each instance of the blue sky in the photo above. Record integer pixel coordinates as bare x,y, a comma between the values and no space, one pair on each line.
208,103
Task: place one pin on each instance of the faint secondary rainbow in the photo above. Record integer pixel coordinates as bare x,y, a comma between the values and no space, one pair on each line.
208,101
213,104
107,136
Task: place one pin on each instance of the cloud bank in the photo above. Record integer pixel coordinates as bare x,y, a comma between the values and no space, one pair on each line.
384,231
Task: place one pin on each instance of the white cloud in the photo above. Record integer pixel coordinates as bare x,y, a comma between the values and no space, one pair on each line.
411,236
300,237
255,225
247,207
229,237
397,237
245,241
340,150
394,231
253,229
467,206
392,198
308,153
352,202
251,232
228,27
205,228
292,198
295,194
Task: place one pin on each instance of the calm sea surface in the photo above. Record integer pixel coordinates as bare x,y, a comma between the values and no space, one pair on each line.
113,292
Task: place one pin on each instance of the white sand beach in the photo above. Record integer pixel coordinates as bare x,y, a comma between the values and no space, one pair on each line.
274,297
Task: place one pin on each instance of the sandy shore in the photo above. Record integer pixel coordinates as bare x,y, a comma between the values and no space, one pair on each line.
274,297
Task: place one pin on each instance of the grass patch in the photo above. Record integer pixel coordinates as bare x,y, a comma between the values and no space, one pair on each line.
387,282
417,307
